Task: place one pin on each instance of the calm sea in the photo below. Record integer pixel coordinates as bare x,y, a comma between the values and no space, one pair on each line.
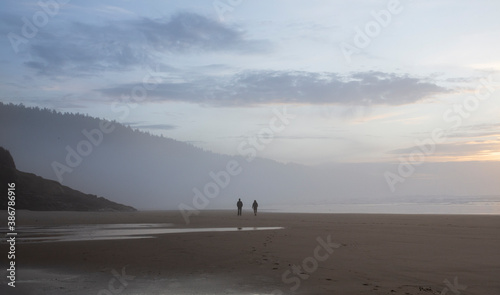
394,208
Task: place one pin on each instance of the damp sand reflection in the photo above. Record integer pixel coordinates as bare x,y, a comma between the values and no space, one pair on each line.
115,232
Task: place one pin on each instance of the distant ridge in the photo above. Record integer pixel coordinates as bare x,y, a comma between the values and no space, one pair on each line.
133,166
153,172
38,194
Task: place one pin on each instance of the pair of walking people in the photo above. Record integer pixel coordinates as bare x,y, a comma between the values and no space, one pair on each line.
239,204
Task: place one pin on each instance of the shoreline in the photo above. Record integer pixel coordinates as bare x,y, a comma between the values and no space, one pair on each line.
29,217
376,254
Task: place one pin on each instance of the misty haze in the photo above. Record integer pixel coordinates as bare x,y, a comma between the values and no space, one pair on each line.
249,147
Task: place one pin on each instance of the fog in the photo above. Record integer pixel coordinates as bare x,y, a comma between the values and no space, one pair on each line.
151,172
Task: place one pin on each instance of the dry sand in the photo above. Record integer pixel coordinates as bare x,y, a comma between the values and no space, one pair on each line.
378,254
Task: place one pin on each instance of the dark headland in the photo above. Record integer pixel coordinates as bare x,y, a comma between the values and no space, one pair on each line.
40,194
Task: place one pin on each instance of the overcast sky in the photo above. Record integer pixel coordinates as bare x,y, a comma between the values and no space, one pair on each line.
362,81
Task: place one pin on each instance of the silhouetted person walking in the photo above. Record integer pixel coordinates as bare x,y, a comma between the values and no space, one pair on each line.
254,207
239,205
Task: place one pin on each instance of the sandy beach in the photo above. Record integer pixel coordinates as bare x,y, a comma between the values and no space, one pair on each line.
312,254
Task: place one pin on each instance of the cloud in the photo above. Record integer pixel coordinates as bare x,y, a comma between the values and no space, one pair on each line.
251,88
466,143
287,137
10,23
141,125
193,32
476,132
86,49
459,151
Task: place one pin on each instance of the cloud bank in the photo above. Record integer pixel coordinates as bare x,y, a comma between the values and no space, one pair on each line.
84,49
252,88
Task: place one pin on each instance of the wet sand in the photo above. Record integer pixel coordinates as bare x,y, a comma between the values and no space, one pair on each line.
313,254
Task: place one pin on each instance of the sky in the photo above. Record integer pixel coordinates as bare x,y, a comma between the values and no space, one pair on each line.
309,82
